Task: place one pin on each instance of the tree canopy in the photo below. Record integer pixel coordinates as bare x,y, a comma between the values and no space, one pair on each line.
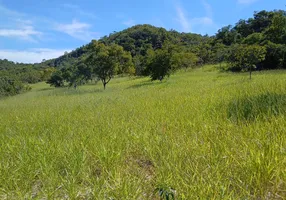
107,61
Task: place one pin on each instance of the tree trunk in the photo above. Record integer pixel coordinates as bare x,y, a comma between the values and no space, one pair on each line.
104,85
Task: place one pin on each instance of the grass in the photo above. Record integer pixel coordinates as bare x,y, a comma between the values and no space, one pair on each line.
198,135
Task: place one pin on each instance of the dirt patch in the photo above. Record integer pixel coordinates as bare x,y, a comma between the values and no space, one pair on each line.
140,165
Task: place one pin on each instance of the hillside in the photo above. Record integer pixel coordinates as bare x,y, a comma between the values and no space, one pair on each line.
197,135
258,43
266,28
137,40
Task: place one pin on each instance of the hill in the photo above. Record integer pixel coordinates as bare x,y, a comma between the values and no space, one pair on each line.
266,28
137,40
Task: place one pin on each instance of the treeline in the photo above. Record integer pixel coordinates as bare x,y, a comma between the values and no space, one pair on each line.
107,60
138,40
145,49
259,42
16,77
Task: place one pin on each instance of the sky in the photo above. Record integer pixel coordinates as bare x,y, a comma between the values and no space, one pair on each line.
33,30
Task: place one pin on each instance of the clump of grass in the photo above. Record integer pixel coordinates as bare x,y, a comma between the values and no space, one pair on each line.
165,192
263,106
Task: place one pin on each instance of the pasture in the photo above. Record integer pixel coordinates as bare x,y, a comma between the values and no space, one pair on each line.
201,134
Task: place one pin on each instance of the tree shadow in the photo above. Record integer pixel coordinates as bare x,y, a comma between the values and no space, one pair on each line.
74,92
262,106
144,84
46,89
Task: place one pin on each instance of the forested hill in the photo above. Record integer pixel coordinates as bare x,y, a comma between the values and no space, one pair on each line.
137,40
265,28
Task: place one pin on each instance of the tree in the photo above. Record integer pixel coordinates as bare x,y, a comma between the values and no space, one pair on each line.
219,53
227,35
107,61
46,73
76,78
84,71
254,38
275,57
247,57
56,79
277,31
244,28
261,21
138,61
184,60
160,62
11,86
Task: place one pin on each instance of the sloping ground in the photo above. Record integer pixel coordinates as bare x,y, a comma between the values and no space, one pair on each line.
198,135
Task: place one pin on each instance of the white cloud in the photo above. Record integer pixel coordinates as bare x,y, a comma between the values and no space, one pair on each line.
208,8
125,20
31,55
8,12
183,20
129,22
16,25
188,24
77,9
23,21
202,21
77,30
246,1
25,33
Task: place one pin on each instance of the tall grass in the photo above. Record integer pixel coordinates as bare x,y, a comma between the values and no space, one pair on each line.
198,135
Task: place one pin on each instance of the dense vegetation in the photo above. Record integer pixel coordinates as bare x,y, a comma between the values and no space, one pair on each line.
198,135
266,30
16,77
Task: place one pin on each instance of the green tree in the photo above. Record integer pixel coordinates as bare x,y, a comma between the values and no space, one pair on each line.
84,71
227,35
246,57
56,79
139,64
160,63
184,60
254,38
275,57
107,61
219,53
277,31
47,73
11,86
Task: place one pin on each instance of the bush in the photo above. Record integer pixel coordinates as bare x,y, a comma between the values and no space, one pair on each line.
57,79
11,86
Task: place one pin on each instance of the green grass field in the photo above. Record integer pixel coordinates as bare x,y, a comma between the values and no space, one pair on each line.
198,135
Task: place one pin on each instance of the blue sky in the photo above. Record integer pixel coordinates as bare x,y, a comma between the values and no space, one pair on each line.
32,30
